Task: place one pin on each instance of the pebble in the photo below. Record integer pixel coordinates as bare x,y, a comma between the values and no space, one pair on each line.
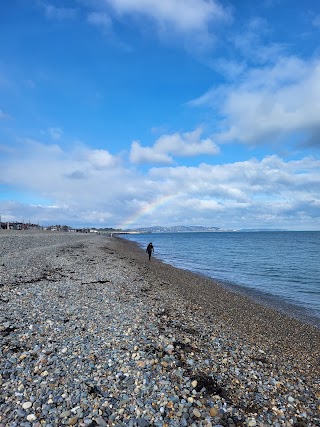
91,335
27,405
214,412
196,413
65,414
101,422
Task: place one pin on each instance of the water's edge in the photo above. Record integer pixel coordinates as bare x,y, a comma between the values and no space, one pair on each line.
267,300
270,301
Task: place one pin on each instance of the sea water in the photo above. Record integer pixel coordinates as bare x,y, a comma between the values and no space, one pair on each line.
281,269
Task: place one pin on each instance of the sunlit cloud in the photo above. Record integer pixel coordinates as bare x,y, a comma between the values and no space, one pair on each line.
92,187
184,17
269,103
187,144
191,21
101,159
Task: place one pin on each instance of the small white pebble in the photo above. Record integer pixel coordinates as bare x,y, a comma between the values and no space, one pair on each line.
27,405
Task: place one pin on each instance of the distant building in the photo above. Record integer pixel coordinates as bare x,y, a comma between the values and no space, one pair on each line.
19,226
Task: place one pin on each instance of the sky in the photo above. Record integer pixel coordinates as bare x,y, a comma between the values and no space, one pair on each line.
136,113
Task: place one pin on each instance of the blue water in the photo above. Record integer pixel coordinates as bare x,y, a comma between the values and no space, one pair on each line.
281,269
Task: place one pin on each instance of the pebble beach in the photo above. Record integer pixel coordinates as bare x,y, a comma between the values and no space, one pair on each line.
93,334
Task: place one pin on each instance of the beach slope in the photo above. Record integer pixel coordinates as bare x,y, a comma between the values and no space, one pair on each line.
93,334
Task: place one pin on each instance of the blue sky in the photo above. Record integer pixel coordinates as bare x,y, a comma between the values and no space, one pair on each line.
138,113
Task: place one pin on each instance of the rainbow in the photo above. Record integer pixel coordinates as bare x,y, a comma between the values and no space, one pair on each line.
146,209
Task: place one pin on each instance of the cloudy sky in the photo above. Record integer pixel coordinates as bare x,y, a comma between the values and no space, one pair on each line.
127,113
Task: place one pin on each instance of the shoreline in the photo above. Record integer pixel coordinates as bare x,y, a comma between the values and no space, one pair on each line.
264,299
291,309
93,334
238,311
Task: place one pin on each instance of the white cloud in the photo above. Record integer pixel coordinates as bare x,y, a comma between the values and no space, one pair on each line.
253,43
185,145
101,159
4,115
269,103
230,69
100,19
36,149
316,21
271,193
186,16
58,13
242,181
86,186
55,133
189,21
139,154
77,182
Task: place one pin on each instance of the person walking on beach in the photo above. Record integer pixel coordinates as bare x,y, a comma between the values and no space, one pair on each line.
150,249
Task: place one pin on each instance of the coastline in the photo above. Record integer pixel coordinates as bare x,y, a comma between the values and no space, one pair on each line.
267,300
95,334
255,272
236,311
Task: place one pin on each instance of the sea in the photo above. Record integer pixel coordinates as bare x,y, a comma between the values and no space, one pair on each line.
280,269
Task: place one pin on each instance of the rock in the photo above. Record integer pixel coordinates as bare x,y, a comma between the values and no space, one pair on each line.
196,413
101,422
65,414
31,417
142,422
169,349
27,405
184,423
108,357
214,412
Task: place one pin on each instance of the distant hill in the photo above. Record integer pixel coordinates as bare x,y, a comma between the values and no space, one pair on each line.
262,229
196,229
178,229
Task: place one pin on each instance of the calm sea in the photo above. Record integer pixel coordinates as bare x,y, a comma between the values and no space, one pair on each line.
281,269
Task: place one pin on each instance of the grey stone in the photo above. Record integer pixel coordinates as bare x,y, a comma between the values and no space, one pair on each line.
101,422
